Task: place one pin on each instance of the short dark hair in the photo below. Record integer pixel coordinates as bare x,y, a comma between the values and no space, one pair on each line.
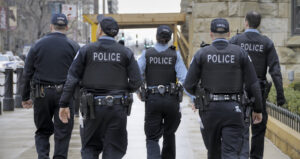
58,27
253,18
162,41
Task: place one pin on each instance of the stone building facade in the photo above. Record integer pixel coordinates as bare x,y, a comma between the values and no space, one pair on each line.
277,24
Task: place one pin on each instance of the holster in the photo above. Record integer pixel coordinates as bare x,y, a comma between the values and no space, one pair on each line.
37,91
143,93
87,107
179,90
128,100
247,103
201,101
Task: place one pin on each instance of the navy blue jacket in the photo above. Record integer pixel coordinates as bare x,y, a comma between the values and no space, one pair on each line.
48,61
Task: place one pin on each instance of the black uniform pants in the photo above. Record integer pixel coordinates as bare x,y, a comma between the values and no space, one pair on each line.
223,128
107,133
258,134
46,109
162,118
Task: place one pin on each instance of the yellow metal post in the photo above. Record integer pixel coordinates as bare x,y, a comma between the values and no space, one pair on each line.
94,28
175,43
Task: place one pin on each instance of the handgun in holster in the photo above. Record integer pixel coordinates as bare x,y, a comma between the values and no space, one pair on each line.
90,104
247,103
201,100
84,106
143,93
179,90
128,102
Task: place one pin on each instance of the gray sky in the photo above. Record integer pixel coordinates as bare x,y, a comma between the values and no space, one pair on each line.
149,6
146,6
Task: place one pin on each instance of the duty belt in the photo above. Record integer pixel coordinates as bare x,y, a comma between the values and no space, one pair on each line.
161,89
224,97
52,85
109,100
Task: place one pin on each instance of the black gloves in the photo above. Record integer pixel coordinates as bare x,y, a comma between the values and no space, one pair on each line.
280,100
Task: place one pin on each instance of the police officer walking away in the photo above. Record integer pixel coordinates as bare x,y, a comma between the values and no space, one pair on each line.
161,65
222,69
46,68
263,54
108,72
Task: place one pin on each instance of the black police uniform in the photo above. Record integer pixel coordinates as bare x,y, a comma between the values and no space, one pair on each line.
222,69
105,68
263,54
162,116
46,66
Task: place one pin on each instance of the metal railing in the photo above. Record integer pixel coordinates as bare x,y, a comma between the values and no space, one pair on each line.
285,116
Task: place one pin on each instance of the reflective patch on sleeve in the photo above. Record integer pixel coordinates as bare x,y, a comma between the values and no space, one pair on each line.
76,55
249,58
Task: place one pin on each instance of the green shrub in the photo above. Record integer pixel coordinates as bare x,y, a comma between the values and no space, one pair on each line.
297,86
292,97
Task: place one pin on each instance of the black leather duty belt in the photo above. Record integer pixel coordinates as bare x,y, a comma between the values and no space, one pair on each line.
52,86
161,89
109,100
224,97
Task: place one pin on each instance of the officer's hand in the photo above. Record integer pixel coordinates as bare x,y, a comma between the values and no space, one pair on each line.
194,107
280,101
256,117
139,96
64,114
27,104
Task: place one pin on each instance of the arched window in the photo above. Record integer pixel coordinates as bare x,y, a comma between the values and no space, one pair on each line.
296,17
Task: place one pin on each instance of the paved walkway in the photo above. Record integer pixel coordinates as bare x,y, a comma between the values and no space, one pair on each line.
17,136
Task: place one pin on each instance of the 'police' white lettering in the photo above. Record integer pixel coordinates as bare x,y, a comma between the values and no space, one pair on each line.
161,60
107,56
220,58
252,47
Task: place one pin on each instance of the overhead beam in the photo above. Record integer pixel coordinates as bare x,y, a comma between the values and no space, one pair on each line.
146,20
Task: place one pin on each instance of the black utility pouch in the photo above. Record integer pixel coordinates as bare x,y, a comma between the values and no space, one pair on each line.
38,91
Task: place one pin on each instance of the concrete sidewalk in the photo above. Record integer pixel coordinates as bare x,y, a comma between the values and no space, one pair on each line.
17,136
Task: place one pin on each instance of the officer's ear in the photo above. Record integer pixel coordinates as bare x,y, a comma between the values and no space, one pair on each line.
228,34
246,24
51,27
99,31
67,28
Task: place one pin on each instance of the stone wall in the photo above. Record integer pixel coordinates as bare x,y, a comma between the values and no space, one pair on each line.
276,24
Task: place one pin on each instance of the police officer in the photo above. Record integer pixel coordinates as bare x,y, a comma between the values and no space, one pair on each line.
107,72
222,69
263,54
161,65
46,68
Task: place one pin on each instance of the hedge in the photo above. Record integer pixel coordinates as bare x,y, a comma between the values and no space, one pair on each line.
292,96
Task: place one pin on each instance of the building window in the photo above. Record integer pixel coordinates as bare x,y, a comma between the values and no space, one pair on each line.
296,17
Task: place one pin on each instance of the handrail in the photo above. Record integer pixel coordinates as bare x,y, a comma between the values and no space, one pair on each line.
285,116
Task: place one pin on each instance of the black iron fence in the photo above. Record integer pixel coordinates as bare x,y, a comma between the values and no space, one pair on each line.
285,116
